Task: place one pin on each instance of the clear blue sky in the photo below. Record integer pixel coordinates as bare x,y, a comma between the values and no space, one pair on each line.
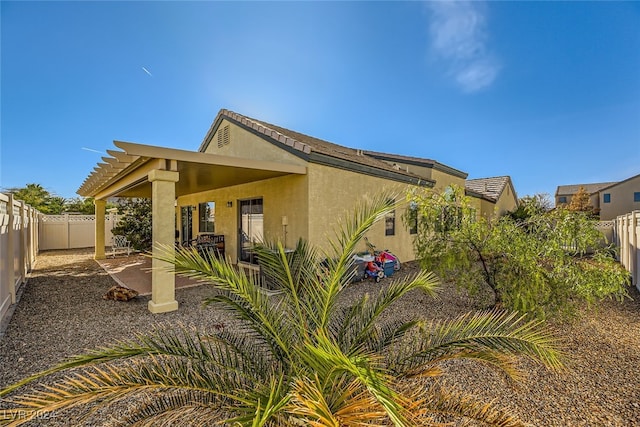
546,92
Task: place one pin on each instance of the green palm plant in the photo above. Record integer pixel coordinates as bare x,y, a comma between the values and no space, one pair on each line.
298,357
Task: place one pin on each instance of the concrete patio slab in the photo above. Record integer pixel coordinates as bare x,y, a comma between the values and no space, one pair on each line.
134,272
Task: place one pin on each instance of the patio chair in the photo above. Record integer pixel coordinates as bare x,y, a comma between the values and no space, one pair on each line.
121,245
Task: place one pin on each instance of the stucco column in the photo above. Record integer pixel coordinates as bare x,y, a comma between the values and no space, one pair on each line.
163,279
99,246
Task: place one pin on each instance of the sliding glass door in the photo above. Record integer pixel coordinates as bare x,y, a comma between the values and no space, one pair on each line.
251,230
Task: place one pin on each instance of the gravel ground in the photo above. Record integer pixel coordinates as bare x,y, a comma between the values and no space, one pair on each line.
62,313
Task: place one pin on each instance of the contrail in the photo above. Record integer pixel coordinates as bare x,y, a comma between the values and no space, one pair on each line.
147,71
91,149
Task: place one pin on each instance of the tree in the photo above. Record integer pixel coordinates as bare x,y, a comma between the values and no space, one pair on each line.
581,202
37,197
542,262
299,358
41,199
81,205
136,223
531,205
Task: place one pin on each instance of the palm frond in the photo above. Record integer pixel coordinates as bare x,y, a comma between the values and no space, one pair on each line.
243,350
221,273
486,333
340,328
365,313
296,275
291,271
348,234
308,402
389,334
346,326
176,408
326,359
159,375
503,364
242,295
268,323
441,406
183,342
343,403
262,404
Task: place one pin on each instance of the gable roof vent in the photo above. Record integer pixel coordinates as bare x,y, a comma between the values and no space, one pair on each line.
223,136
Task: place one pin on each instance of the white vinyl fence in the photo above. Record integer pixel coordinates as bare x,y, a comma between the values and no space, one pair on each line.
18,248
24,232
626,234
606,228
73,231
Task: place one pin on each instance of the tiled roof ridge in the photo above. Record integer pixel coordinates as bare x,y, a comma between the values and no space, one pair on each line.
398,156
591,188
489,177
589,184
476,193
501,182
321,146
303,143
261,127
268,130
419,161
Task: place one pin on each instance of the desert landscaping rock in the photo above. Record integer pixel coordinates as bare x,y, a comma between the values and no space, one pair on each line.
62,313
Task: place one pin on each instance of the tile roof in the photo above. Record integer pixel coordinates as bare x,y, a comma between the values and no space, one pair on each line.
306,145
416,161
488,187
256,126
398,157
568,190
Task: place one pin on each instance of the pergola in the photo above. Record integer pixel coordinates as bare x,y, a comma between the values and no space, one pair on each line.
163,174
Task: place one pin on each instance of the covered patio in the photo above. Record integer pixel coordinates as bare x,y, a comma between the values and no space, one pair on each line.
163,174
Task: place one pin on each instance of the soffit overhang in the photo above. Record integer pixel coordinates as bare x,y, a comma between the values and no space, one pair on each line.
125,172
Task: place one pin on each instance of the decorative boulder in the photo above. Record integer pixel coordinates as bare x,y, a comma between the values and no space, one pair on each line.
120,293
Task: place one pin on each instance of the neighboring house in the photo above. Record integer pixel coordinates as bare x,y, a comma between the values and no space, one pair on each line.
609,199
564,193
494,196
251,180
619,198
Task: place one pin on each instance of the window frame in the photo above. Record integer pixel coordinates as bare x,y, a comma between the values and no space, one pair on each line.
606,197
202,209
390,222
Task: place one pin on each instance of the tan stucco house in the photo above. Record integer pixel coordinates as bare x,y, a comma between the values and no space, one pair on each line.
564,193
492,196
609,199
619,198
251,180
